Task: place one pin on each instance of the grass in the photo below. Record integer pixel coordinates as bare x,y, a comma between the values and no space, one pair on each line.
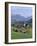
20,35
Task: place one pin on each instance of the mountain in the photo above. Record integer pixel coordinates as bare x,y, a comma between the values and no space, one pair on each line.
29,19
19,18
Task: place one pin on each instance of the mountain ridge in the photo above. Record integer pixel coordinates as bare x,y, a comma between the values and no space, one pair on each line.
21,19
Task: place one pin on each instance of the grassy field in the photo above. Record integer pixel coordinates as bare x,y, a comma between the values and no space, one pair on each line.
21,35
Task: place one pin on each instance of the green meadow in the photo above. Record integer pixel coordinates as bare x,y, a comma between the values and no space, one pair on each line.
21,35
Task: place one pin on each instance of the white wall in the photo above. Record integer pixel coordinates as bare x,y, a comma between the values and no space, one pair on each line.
2,24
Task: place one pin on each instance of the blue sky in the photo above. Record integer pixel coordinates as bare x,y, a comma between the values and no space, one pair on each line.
23,11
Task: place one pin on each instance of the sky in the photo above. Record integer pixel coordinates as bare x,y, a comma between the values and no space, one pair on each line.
23,11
